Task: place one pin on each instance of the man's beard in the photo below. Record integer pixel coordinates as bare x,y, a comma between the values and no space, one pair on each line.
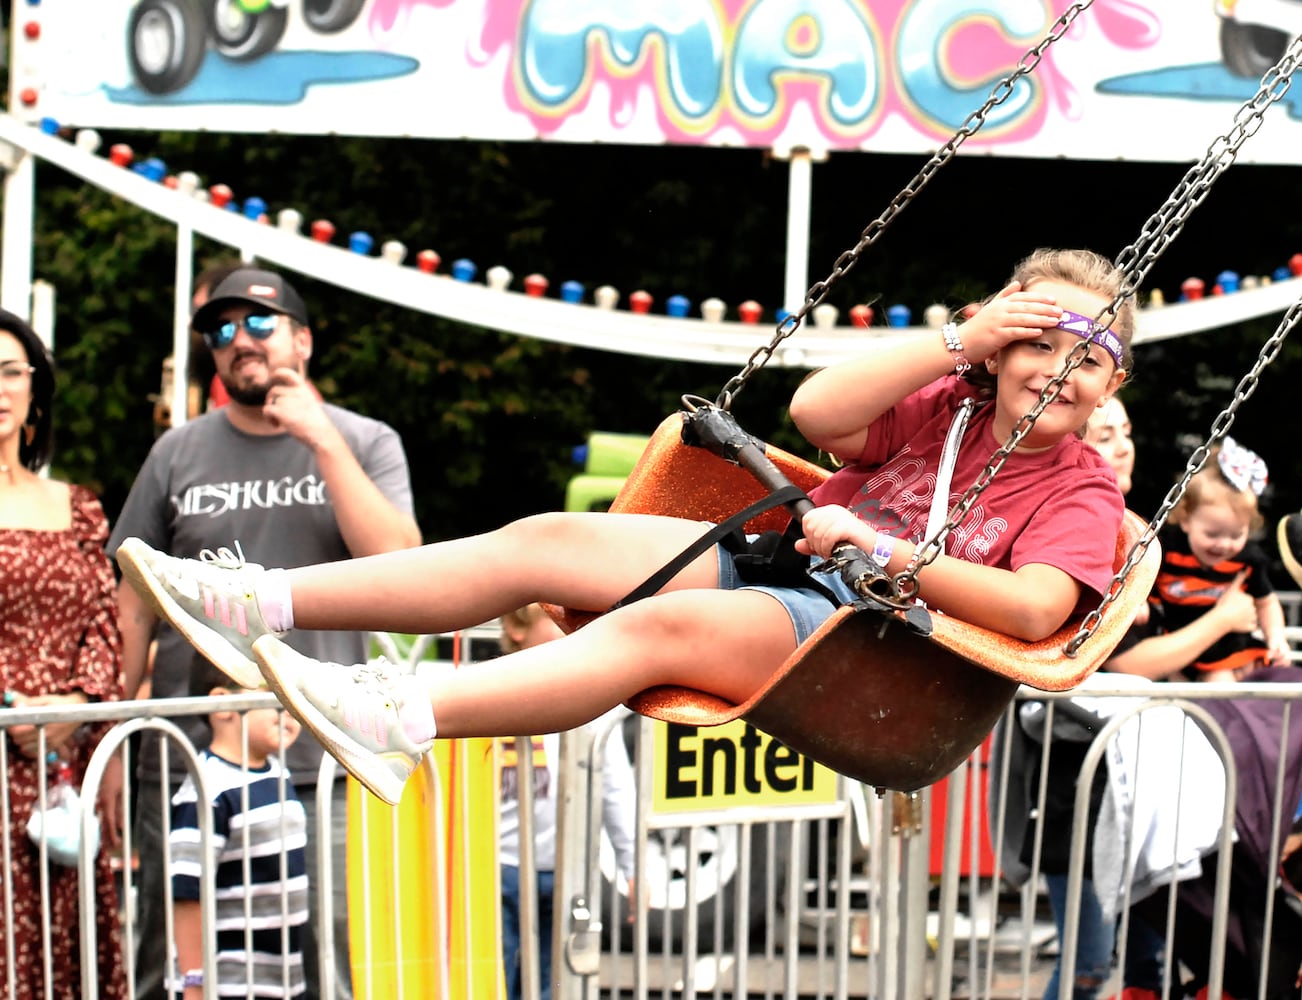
251,395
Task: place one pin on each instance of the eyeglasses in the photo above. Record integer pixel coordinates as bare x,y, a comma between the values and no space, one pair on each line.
258,326
15,375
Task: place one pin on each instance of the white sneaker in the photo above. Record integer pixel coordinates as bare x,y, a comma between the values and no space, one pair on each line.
208,600
375,721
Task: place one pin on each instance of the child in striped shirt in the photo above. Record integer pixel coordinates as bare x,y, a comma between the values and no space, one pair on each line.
256,818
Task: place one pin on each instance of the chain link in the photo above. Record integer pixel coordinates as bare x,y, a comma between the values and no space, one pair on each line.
1220,427
1135,261
971,125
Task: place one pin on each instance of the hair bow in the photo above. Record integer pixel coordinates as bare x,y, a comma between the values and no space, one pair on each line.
1243,467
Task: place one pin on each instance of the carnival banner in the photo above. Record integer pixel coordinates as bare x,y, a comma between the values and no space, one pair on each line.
1134,79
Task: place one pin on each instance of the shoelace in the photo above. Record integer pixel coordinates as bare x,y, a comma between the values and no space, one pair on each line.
390,672
224,558
377,677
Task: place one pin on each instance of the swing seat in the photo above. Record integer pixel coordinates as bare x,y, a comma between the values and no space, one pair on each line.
871,699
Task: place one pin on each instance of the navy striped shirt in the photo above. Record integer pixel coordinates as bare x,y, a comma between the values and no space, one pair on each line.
272,903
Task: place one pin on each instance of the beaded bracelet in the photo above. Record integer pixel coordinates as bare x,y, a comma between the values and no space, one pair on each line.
955,347
192,978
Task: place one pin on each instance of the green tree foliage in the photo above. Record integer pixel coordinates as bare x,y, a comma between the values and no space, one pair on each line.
112,267
489,419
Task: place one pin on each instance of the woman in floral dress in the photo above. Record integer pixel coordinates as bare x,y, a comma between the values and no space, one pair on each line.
59,644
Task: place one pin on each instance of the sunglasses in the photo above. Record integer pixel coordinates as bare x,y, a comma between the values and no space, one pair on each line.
258,326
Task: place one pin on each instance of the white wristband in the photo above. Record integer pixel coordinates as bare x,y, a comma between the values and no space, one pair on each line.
955,347
883,549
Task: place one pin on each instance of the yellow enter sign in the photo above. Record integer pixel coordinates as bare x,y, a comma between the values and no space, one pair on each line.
735,764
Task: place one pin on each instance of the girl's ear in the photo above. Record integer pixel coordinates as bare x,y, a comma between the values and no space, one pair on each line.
992,364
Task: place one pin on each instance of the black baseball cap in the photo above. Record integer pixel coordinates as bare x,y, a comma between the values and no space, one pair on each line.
250,286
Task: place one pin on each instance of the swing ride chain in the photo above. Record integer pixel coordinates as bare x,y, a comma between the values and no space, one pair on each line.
971,125
1247,120
1220,427
1134,262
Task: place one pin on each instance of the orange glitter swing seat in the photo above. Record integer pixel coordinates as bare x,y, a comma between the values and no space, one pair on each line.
872,698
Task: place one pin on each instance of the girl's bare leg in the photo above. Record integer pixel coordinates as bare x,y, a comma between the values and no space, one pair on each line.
379,725
726,643
578,560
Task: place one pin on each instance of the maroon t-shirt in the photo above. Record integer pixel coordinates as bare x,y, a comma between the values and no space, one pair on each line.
1060,507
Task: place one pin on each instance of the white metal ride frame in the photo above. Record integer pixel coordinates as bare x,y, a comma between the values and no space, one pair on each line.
656,336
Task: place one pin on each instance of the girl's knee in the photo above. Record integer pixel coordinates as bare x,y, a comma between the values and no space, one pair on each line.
666,619
536,524
537,528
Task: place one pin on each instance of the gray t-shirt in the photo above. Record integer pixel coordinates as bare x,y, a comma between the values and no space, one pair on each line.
207,485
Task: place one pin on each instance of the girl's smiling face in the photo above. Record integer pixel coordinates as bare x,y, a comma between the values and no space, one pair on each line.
1025,367
1216,532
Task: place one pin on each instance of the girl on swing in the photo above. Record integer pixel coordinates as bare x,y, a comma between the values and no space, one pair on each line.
1038,547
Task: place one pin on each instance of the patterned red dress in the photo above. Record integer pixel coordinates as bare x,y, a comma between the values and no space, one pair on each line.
58,634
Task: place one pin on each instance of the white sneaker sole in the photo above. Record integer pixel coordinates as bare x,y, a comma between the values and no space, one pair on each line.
210,643
278,662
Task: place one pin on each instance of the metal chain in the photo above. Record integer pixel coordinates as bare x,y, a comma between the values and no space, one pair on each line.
971,125
1134,261
1220,427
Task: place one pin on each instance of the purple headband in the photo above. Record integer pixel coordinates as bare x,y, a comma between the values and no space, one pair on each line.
1082,326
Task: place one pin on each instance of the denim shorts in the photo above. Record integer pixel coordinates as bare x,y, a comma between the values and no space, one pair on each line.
807,607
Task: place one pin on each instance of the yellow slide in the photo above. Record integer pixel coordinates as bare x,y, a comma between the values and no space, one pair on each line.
424,903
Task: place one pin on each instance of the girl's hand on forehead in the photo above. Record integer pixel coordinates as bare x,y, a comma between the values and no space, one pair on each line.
1012,315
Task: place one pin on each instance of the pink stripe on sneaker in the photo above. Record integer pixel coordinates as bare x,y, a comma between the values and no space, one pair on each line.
241,622
207,602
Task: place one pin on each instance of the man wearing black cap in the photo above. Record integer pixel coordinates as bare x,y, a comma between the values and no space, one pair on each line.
283,479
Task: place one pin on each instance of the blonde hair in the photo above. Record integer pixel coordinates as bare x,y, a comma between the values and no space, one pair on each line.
517,622
1209,485
1091,271
1084,269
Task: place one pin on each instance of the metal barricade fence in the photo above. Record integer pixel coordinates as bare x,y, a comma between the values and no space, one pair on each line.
1010,949
865,895
147,717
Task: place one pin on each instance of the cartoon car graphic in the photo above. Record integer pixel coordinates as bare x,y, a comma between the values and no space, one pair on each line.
167,39
1255,33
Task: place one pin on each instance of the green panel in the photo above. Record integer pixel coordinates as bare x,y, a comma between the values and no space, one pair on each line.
592,492
612,454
